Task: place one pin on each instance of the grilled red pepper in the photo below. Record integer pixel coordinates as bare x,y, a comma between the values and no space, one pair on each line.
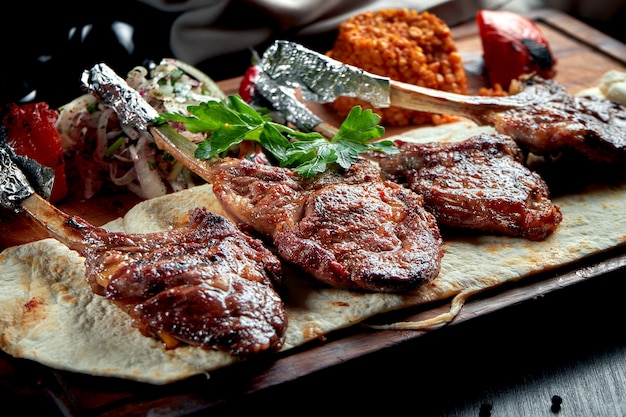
247,90
32,132
513,45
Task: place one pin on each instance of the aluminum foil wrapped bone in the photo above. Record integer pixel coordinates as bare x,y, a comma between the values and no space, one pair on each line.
14,185
21,176
320,78
284,101
114,91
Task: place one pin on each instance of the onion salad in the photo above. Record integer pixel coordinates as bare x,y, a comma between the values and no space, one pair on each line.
107,153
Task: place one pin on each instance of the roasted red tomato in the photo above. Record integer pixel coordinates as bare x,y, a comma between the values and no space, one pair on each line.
513,45
32,133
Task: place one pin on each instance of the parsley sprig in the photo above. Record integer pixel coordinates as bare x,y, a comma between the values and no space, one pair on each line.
231,121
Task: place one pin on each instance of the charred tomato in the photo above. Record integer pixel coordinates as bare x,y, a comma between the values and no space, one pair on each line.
32,132
513,45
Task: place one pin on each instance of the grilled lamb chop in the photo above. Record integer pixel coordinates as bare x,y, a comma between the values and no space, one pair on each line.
590,126
349,229
205,284
479,183
539,114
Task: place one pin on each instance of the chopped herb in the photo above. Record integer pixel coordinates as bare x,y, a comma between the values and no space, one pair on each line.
115,146
92,107
232,121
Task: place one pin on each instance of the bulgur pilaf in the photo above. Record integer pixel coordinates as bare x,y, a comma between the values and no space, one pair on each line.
407,46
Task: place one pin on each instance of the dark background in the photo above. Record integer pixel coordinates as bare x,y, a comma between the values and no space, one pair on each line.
39,53
42,52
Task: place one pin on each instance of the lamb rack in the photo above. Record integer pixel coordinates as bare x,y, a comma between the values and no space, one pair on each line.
346,227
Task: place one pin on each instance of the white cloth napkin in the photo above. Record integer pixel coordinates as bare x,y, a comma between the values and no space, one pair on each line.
206,29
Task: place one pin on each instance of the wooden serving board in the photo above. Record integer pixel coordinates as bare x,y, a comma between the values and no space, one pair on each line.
583,55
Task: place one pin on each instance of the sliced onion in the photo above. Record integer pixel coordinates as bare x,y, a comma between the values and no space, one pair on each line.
67,116
149,179
102,143
131,132
122,180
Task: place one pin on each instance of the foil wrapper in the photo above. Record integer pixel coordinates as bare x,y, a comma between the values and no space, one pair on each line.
283,100
21,176
114,91
14,185
321,78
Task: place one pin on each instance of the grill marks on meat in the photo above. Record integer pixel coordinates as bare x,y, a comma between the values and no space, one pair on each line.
348,229
479,183
593,127
206,284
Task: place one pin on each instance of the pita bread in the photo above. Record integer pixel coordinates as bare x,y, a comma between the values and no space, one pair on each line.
49,314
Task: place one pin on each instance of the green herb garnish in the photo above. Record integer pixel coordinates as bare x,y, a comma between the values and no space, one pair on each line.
115,146
232,121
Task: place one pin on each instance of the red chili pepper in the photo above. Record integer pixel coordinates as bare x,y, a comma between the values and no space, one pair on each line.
247,90
32,132
513,45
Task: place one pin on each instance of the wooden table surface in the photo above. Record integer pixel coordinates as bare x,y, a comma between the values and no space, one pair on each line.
511,359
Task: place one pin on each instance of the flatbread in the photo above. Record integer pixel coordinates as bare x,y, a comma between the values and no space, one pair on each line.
50,315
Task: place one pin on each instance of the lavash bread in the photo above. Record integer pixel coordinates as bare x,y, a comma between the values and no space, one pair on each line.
50,315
